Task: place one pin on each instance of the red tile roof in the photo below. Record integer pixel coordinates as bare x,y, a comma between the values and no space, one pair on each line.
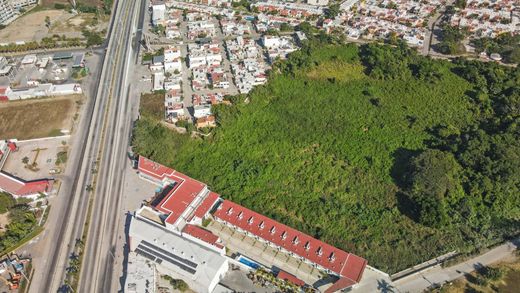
19,187
178,199
291,278
342,263
206,204
339,285
202,234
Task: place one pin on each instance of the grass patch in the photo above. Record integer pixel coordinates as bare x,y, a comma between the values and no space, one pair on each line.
337,71
61,158
152,105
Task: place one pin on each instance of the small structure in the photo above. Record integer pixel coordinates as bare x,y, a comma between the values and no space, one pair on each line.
79,61
62,56
28,59
495,57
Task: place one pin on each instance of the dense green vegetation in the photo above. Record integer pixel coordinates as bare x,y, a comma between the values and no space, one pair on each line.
506,45
376,150
450,40
21,221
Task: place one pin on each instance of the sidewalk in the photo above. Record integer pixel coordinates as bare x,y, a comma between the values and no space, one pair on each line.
438,275
374,281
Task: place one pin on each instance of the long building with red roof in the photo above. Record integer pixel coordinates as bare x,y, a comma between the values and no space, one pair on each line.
183,203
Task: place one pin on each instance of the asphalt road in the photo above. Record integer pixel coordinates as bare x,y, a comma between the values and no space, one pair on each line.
97,272
103,133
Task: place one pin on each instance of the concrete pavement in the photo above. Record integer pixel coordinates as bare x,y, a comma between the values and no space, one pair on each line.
69,222
97,273
375,281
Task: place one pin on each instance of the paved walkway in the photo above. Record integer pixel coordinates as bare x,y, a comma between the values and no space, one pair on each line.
374,281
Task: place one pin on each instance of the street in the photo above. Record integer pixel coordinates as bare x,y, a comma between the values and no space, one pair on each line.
103,134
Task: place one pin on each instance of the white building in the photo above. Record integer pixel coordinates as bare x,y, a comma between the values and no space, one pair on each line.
270,41
318,2
158,12
158,81
200,267
201,111
171,53
172,66
9,9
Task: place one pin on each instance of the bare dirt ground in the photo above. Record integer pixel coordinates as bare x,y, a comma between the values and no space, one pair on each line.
77,23
50,3
37,118
32,27
4,220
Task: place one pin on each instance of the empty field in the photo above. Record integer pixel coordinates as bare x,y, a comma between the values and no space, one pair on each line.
37,118
31,27
50,3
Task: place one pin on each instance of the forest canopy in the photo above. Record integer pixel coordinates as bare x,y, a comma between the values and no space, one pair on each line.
379,151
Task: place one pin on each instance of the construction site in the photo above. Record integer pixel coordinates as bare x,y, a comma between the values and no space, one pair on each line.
15,272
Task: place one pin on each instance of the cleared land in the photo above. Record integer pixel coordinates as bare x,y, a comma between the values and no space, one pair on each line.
37,118
50,3
76,24
31,27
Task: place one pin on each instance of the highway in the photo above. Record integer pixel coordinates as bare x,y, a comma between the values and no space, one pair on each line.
101,145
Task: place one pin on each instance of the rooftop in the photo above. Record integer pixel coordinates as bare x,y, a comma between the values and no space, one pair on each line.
329,257
181,194
19,187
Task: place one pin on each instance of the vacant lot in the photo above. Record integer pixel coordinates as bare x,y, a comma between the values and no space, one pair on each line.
74,25
37,118
31,27
50,3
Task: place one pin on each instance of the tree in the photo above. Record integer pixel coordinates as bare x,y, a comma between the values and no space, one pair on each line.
6,202
434,184
451,38
332,11
25,160
285,27
47,21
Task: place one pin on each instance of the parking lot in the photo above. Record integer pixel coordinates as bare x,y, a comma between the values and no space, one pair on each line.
41,156
31,70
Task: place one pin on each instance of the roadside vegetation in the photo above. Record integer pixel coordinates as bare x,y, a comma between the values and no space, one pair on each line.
21,222
502,277
399,160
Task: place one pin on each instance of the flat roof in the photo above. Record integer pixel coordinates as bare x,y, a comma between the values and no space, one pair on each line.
175,252
182,194
62,55
342,263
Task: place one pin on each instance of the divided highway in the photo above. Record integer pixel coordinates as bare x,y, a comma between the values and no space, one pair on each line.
101,147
